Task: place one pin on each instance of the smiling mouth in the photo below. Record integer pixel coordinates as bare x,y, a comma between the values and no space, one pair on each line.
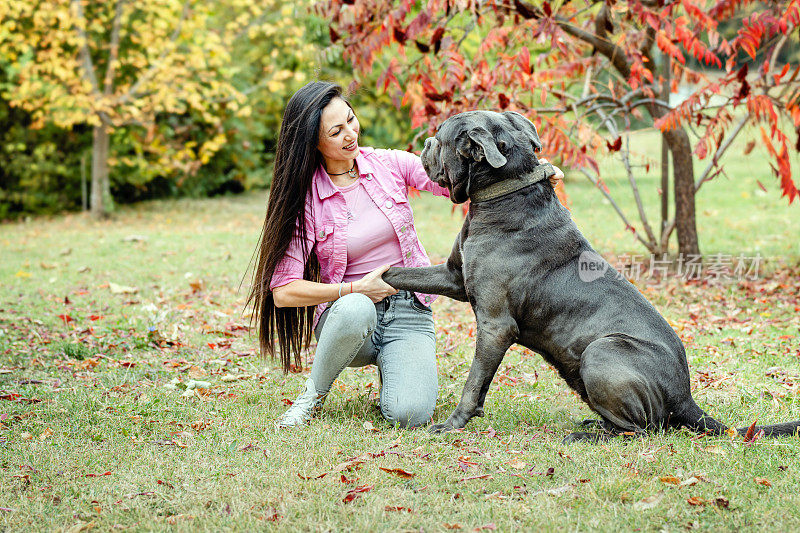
351,146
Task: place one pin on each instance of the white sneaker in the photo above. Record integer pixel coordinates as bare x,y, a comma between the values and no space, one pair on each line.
305,407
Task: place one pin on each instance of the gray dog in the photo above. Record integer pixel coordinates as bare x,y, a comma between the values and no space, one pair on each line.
533,279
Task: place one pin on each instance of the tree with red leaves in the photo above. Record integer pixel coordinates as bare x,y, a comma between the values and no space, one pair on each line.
584,71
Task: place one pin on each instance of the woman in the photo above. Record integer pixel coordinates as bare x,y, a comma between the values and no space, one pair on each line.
338,217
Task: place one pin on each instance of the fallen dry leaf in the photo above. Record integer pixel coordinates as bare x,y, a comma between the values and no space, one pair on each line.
763,481
690,482
369,427
482,476
322,475
397,509
121,289
721,502
714,449
518,464
649,502
670,480
196,372
695,500
555,491
348,466
398,472
356,492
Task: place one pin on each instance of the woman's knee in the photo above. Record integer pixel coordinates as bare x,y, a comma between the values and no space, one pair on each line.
409,412
353,310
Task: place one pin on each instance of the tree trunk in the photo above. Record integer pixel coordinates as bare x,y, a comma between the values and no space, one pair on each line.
683,183
102,203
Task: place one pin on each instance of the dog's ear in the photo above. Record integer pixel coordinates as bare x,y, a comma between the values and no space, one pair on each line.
479,144
524,125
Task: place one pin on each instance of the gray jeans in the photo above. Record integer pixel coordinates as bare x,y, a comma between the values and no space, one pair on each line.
396,334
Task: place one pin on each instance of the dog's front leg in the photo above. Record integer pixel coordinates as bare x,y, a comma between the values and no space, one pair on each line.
493,341
437,279
446,279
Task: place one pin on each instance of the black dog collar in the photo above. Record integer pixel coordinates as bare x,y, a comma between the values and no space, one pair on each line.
501,188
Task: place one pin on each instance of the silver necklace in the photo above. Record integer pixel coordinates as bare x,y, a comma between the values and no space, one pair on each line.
352,172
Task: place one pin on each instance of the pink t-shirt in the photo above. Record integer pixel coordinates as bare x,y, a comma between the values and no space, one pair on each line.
371,239
385,176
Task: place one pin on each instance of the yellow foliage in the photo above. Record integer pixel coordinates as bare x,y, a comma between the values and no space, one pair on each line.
170,58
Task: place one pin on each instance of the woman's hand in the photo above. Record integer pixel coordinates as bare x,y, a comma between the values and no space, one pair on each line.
373,286
554,179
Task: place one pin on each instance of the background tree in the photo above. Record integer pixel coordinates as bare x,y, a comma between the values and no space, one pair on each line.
155,75
587,72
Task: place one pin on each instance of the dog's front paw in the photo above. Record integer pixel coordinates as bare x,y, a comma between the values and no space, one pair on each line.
438,429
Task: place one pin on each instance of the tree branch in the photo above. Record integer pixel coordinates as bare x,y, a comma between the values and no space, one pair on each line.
718,154
616,207
613,52
113,54
174,37
624,154
776,52
86,57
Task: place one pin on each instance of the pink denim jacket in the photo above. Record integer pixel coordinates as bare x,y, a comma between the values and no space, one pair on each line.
386,176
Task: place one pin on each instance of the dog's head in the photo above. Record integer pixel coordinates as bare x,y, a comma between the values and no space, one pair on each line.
474,149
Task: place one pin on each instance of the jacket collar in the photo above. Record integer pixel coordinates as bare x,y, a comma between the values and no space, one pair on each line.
323,183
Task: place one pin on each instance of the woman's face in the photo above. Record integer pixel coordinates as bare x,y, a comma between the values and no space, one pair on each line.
338,135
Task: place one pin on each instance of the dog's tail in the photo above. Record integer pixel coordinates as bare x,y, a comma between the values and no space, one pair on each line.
694,418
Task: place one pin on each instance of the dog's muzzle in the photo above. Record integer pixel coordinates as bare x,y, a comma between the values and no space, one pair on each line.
430,154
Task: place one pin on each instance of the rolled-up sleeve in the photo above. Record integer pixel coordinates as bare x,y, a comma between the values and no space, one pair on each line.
291,267
410,167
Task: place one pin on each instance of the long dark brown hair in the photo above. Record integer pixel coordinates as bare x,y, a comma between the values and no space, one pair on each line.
296,160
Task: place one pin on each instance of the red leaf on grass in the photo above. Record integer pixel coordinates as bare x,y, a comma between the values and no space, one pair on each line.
66,318
322,475
695,500
397,508
398,472
748,437
482,476
354,493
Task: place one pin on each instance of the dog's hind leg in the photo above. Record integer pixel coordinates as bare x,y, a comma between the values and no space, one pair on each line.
494,339
618,390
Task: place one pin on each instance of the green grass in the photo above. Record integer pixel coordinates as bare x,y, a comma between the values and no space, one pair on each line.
90,394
